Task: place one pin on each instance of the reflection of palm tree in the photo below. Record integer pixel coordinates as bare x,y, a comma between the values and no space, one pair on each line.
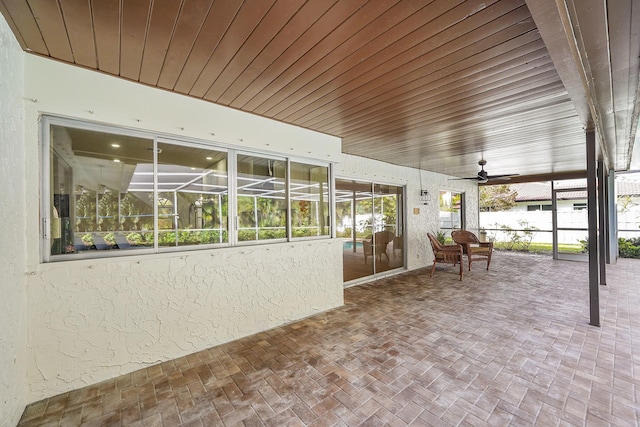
270,213
208,213
245,211
86,211
364,207
132,206
108,210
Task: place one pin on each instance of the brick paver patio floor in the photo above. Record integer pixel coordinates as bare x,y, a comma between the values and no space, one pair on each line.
510,346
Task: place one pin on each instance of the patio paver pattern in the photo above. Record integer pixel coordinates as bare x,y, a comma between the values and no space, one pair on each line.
509,346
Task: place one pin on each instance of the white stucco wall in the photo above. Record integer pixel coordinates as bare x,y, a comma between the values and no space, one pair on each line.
64,90
93,320
13,394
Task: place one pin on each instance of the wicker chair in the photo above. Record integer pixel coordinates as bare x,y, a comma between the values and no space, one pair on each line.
473,247
382,239
449,254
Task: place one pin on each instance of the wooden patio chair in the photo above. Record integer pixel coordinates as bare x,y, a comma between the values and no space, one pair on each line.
449,254
473,247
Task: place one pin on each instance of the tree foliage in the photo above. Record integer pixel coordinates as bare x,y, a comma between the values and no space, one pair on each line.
629,248
625,203
497,197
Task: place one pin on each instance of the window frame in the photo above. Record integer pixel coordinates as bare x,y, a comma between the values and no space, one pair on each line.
463,208
45,195
232,153
236,217
191,144
329,201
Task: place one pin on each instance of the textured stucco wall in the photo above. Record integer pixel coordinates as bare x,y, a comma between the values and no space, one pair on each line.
91,320
12,229
426,220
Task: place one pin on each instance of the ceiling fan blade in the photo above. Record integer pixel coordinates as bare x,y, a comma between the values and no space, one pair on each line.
482,177
505,177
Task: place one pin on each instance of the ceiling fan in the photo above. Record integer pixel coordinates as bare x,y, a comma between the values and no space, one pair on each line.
483,176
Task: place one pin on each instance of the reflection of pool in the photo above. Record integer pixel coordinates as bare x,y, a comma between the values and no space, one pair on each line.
349,245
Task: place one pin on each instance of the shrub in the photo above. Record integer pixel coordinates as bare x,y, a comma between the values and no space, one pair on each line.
518,240
110,238
135,238
629,248
246,235
345,233
304,232
584,244
264,234
208,236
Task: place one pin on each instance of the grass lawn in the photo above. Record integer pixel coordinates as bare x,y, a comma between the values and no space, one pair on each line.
544,247
535,247
629,248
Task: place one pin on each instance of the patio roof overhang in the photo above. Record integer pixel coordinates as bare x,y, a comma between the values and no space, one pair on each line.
435,85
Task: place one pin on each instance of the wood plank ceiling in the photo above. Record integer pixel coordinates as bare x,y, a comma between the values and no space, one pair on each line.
436,84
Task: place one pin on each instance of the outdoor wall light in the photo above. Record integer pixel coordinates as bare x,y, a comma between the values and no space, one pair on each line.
425,197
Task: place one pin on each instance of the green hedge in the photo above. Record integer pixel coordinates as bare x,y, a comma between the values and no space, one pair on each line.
629,248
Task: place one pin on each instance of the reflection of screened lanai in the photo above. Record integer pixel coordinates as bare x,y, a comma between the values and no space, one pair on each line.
111,190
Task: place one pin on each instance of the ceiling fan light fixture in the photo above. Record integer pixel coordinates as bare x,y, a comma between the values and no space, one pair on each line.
483,177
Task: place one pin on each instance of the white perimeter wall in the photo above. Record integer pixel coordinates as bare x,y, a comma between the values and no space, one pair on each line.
13,391
93,320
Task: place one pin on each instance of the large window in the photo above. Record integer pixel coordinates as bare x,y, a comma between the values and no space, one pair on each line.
110,193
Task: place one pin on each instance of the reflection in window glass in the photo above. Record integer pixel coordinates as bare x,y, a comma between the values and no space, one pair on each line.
61,183
388,241
451,210
93,205
112,191
371,224
309,200
136,205
262,206
192,196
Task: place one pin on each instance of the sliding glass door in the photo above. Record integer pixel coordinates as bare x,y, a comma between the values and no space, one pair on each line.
370,220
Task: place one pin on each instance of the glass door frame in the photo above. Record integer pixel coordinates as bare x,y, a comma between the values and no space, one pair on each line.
554,226
461,211
373,186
